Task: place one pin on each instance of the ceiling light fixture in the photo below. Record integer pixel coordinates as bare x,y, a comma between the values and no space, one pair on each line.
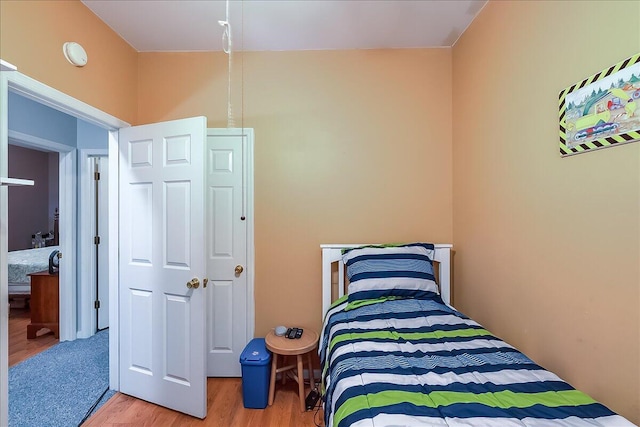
75,54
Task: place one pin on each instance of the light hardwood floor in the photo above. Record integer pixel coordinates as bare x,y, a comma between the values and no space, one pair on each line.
225,410
20,348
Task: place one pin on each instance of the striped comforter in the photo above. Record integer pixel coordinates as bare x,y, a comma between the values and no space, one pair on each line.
418,362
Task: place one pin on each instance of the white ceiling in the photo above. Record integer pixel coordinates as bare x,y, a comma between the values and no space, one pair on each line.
188,25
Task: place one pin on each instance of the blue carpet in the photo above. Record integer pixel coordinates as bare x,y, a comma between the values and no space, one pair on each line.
56,388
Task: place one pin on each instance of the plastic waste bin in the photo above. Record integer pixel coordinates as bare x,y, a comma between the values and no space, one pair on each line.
256,370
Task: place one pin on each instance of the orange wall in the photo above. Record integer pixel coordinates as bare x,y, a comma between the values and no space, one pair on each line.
351,146
548,248
31,37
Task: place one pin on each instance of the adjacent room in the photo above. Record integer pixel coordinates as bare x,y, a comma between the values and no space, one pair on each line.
365,136
33,238
33,225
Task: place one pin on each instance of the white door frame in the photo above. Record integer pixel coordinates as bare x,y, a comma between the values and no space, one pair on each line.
86,297
39,92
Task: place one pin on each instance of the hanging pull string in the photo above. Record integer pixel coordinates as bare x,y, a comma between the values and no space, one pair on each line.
244,166
226,36
227,47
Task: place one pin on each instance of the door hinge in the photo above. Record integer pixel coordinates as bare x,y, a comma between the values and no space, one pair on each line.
96,240
96,176
96,304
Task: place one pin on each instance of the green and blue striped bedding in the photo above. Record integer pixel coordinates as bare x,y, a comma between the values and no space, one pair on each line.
418,362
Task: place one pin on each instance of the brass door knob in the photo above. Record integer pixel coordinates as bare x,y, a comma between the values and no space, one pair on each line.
239,269
193,283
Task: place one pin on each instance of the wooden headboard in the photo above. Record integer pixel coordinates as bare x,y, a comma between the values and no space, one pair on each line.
332,253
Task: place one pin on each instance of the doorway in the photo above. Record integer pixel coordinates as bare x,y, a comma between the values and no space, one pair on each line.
93,246
35,126
33,236
57,183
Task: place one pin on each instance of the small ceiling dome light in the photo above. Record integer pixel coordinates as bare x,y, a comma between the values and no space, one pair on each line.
75,54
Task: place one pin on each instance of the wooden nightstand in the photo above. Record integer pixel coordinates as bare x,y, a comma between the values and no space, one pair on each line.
281,346
44,303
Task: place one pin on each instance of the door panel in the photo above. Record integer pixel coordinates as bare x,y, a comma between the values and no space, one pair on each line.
141,208
162,328
221,208
140,317
177,346
177,226
221,303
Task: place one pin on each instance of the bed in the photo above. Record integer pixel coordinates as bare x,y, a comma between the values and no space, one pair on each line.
21,263
394,352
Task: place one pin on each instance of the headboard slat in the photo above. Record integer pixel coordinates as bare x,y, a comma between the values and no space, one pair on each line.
340,278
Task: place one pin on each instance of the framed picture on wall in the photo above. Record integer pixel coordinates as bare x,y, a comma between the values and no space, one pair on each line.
602,110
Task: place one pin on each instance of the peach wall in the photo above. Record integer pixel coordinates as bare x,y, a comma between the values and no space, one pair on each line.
547,247
350,146
31,37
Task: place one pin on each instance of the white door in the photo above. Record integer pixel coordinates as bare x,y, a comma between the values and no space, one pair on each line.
229,175
161,243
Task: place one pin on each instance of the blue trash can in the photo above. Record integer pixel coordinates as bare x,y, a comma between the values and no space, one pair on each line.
256,370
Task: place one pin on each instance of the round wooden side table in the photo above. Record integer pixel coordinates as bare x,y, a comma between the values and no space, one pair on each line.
282,346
